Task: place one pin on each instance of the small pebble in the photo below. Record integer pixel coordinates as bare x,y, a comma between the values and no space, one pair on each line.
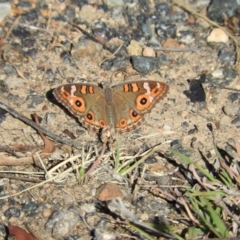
134,48
146,28
108,191
170,43
148,52
113,3
176,144
166,127
144,217
218,35
63,222
85,48
226,56
47,213
234,96
162,9
12,212
183,114
144,64
218,73
101,32
115,64
186,37
165,30
12,55
30,209
88,13
163,59
185,124
8,69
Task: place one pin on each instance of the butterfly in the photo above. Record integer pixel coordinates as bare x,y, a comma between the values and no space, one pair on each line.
121,107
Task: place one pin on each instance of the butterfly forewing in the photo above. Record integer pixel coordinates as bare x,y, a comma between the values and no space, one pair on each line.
84,101
134,100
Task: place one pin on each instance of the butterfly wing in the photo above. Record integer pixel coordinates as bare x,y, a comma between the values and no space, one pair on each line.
86,102
132,100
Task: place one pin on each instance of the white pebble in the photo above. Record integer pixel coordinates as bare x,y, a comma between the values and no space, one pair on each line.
217,73
167,127
218,35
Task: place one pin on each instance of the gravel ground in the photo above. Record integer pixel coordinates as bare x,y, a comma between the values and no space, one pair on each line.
45,44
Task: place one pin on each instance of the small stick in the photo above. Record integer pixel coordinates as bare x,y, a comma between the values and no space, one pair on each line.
24,179
29,122
176,49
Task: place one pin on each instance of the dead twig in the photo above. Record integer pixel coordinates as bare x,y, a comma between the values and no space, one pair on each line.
171,49
23,179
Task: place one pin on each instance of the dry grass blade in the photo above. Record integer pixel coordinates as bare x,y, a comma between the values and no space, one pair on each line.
187,208
192,168
60,172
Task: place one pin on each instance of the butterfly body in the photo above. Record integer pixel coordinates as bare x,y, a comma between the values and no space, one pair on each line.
121,107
